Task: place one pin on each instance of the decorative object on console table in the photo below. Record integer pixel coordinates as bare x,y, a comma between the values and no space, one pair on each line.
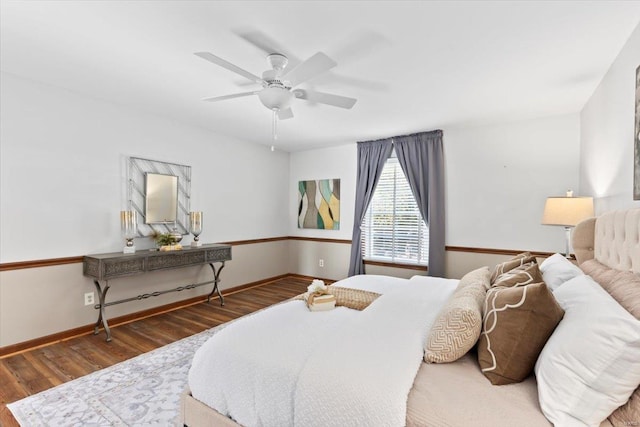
105,267
129,225
172,247
567,211
168,241
177,236
195,220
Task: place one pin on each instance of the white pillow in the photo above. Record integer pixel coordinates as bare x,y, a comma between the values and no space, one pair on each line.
557,269
591,364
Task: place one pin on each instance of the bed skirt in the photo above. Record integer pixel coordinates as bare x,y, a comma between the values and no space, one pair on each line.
194,413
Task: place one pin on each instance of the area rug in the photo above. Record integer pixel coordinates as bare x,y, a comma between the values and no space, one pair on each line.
141,391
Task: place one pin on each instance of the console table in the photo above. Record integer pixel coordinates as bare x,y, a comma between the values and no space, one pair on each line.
103,267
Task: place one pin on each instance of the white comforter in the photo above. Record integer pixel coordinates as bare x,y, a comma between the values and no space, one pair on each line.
287,366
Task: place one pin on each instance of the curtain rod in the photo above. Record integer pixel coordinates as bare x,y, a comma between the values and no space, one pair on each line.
436,132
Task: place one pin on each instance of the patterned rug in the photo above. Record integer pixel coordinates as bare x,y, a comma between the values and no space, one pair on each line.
141,391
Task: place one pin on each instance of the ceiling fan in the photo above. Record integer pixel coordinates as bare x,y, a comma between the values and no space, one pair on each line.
279,82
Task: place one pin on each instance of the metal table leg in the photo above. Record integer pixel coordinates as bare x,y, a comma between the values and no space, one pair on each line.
102,318
216,275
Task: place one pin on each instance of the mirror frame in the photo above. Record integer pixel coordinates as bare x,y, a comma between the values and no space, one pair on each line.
136,197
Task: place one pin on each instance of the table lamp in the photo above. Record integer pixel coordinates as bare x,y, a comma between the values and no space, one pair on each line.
567,211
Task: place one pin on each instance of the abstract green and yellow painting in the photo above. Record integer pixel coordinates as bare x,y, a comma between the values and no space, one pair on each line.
319,204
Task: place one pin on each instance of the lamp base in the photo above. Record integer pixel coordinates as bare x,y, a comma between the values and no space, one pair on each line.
196,244
129,250
567,231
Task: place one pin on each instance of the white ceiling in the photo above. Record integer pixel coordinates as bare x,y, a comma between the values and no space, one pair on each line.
413,66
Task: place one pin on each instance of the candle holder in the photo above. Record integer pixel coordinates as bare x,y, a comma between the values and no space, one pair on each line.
129,226
195,219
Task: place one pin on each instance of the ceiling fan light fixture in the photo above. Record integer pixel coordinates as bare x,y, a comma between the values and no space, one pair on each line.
275,98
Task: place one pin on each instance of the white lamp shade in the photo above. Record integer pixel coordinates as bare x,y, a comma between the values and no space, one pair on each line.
567,211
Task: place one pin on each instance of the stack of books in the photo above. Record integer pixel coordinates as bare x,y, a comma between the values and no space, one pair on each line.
321,302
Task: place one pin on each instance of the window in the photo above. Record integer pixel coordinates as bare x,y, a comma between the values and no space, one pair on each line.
393,229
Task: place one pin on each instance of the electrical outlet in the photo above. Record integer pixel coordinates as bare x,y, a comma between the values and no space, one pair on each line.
321,263
89,298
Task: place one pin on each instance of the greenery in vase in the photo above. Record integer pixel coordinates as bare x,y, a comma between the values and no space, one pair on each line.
164,239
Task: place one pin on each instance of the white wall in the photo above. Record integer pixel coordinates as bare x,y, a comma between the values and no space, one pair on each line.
62,165
607,133
304,259
328,163
498,178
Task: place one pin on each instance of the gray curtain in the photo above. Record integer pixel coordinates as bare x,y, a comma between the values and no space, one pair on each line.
421,158
371,159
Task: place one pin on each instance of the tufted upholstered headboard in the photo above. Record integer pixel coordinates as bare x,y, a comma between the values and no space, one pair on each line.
613,239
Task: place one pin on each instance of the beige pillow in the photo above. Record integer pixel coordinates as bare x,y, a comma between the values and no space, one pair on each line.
457,327
516,261
517,323
627,414
625,289
599,272
520,276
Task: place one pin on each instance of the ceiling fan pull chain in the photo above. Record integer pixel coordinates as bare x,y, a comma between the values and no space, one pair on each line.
274,128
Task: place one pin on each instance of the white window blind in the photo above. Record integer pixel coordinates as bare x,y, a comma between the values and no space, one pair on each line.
393,229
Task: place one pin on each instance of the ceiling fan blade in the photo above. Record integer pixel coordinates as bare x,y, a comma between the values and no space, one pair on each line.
325,98
317,64
285,114
229,66
235,95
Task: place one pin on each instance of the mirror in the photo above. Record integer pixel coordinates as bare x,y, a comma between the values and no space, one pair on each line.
161,198
160,193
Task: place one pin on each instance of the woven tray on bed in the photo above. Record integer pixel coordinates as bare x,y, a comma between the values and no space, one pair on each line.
351,298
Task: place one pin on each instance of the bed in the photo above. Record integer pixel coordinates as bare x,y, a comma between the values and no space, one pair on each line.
352,382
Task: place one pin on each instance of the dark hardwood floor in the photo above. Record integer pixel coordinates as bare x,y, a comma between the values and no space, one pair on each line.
39,369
